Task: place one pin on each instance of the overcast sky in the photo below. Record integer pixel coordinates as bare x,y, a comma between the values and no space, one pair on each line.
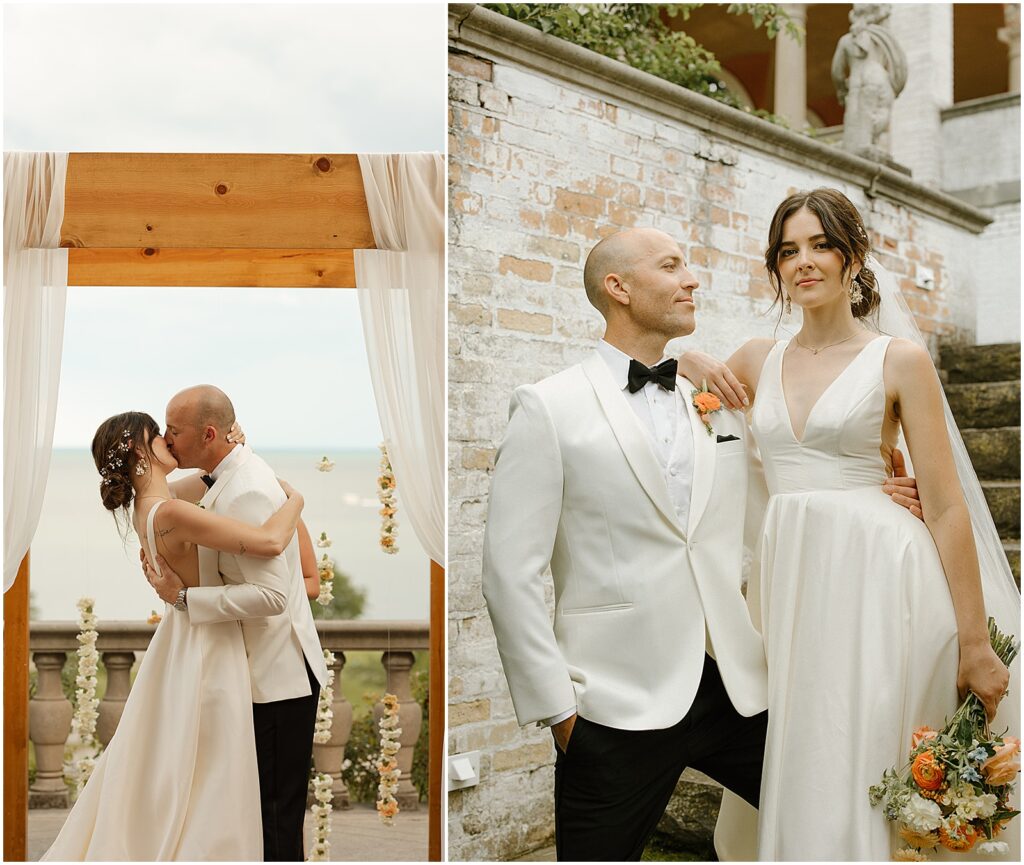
299,78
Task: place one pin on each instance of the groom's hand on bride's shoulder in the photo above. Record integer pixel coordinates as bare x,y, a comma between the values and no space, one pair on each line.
902,489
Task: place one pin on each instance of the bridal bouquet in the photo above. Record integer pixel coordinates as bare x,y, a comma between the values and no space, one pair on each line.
954,791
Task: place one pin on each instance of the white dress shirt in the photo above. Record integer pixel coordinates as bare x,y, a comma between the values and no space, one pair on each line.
666,420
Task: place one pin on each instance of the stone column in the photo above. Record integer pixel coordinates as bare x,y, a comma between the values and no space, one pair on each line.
329,758
1010,34
925,32
49,724
398,666
119,669
790,100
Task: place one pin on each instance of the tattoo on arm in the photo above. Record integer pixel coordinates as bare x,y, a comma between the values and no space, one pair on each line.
162,532
241,548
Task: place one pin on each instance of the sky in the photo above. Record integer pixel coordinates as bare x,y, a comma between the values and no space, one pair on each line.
262,78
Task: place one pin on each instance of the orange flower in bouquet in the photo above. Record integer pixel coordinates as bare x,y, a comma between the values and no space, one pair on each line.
960,840
1003,766
927,772
922,734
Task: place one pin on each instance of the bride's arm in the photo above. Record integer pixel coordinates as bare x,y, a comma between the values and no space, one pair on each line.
207,529
735,381
913,384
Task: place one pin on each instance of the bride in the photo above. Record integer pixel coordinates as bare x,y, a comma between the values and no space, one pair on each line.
874,622
179,778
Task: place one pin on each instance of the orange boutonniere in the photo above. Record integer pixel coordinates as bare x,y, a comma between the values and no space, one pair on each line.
706,403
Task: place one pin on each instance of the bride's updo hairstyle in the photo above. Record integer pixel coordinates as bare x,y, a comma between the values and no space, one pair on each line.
113,450
844,230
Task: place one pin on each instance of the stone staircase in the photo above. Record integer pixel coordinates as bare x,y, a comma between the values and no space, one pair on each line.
982,384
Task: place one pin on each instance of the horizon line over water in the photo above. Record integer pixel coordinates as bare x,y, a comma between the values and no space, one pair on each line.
77,550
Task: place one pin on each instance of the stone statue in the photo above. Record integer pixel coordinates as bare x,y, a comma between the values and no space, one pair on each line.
869,70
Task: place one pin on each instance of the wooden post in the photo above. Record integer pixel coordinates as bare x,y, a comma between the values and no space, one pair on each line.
435,719
16,717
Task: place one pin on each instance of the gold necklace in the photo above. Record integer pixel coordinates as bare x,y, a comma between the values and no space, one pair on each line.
830,345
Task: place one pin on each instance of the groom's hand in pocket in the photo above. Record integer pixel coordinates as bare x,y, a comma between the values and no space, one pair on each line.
562,731
900,488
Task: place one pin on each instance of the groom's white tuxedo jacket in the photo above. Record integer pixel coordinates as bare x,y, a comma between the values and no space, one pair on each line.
268,596
578,487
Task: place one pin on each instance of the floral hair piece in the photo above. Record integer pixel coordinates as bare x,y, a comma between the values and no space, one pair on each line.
115,459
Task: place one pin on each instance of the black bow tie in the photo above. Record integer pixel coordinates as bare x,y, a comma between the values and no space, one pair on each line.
208,481
664,374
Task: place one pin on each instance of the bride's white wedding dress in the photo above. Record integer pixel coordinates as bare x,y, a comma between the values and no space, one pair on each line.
178,780
858,622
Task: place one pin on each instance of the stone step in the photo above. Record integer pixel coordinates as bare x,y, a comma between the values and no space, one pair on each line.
970,363
1003,499
995,453
985,404
1012,550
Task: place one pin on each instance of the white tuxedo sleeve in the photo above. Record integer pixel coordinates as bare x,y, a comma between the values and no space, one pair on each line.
265,590
522,521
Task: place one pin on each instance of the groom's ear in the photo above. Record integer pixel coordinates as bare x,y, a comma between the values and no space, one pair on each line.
616,288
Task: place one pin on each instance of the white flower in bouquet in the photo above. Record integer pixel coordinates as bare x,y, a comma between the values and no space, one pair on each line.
992,848
921,815
970,805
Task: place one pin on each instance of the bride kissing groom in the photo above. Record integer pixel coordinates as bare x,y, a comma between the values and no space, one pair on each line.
211,757
640,490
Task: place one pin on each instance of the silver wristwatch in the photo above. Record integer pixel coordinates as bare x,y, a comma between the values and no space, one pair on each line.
180,603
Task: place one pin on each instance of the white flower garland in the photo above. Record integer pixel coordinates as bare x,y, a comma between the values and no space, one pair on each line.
386,494
323,541
325,465
326,568
387,764
324,712
321,810
83,723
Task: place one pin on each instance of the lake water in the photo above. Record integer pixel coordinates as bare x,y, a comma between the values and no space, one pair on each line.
77,550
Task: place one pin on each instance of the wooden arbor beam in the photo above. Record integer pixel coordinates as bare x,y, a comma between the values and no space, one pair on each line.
190,219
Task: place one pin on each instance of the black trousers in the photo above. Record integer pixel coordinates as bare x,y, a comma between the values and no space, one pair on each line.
284,747
612,786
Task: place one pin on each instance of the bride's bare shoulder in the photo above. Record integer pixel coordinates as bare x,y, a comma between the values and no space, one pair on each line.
747,360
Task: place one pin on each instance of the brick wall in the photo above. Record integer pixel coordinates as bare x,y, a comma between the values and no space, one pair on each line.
539,169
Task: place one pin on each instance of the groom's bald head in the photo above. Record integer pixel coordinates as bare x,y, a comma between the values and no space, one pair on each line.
198,419
617,254
206,405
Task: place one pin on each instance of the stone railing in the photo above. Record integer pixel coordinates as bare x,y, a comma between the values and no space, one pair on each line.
50,712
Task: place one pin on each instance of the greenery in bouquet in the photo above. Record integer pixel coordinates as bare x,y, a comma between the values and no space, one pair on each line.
955,789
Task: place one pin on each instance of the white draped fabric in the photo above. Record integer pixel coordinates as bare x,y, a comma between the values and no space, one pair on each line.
401,299
35,289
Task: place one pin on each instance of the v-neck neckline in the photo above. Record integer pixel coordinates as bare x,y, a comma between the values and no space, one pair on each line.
782,388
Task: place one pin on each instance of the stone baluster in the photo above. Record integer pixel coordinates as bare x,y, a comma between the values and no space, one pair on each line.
398,666
330,757
119,669
49,725
791,71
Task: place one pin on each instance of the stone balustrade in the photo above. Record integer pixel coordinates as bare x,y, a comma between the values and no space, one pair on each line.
50,711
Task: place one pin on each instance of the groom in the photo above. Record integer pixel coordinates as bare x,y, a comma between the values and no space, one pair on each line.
610,474
267,596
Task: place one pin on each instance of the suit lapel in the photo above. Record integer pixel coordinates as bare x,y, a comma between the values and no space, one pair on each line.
209,569
704,459
631,437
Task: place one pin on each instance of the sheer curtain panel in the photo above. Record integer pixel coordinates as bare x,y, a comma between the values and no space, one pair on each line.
35,289
401,300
